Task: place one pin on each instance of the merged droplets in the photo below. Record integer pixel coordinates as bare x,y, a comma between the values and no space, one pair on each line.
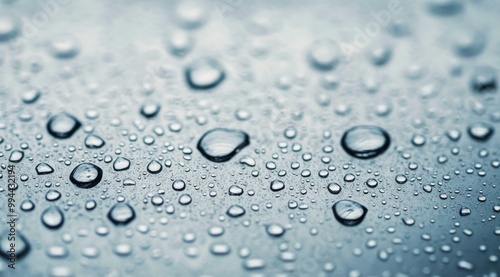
204,74
220,145
62,125
121,214
365,142
480,131
52,217
349,213
86,175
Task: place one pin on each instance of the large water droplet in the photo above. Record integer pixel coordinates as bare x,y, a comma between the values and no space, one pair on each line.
365,142
86,175
220,145
121,214
62,125
204,73
349,213
22,246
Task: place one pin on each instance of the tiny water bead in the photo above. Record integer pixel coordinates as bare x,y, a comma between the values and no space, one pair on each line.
86,175
62,125
365,142
121,214
220,145
349,213
204,74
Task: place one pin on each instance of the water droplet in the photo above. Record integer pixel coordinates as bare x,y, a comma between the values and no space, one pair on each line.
334,188
121,164
365,142
349,213
16,156
277,185
371,182
150,110
52,195
154,167
179,185
27,205
43,169
62,125
94,142
90,205
484,80
185,199
52,217
9,27
65,46
157,200
418,140
275,230
220,249
235,190
22,246
445,7
401,179
204,74
470,43
121,214
235,211
464,211
324,54
220,145
480,131
180,44
86,175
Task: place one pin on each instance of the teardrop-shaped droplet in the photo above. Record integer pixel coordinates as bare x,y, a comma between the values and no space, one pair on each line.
86,175
349,213
121,214
220,145
21,245
44,169
52,217
62,125
94,142
16,156
121,164
365,142
480,131
204,74
154,167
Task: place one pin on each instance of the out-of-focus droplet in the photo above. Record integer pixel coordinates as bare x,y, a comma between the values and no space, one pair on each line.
204,74
64,46
52,217
94,142
480,131
324,54
121,214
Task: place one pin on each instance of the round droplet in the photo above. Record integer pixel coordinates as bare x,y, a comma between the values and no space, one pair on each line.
235,211
52,217
86,175
121,214
324,54
470,44
179,185
480,131
9,27
204,74
44,169
365,142
275,230
349,213
445,7
64,46
334,188
371,182
401,179
62,125
27,205
150,110
90,205
220,145
185,199
484,80
52,195
94,142
180,44
277,185
235,190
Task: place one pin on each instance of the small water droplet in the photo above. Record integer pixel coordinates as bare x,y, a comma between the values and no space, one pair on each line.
349,213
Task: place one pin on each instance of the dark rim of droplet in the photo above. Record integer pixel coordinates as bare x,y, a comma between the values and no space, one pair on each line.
86,185
349,222
366,154
225,158
63,135
121,222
